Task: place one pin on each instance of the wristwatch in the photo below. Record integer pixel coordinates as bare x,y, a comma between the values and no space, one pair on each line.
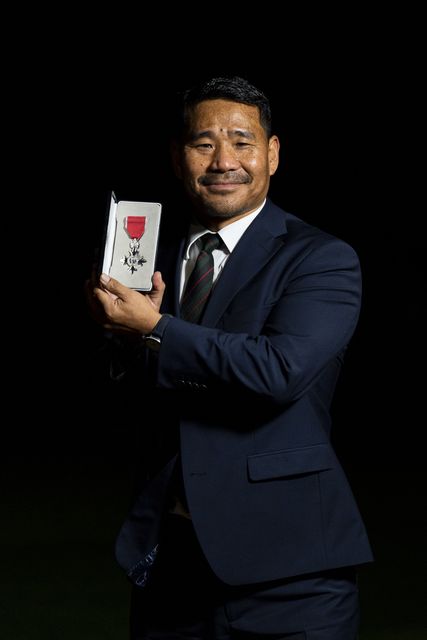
154,339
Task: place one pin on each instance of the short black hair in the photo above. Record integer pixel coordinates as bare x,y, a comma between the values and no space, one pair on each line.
232,88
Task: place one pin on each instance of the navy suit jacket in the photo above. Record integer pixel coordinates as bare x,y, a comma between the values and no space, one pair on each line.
250,390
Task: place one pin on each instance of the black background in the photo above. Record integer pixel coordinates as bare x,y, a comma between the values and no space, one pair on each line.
345,130
90,113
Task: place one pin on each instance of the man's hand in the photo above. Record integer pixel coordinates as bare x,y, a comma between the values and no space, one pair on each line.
119,308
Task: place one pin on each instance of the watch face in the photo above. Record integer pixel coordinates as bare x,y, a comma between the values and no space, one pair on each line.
152,343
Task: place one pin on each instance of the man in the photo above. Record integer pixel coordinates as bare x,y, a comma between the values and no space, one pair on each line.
245,526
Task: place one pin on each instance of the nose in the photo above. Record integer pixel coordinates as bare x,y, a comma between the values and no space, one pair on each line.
224,158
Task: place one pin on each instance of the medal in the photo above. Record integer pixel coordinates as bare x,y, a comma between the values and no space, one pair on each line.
134,227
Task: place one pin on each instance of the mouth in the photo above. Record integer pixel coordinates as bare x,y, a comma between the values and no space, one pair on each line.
222,186
223,183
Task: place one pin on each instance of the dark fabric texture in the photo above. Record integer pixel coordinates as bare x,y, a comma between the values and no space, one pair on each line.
184,599
245,396
200,282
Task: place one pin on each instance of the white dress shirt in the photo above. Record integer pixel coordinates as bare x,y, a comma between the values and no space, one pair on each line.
230,235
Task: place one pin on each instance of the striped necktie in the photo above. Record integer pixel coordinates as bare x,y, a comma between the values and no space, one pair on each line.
200,282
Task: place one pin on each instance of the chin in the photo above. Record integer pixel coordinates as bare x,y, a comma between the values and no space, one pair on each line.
223,210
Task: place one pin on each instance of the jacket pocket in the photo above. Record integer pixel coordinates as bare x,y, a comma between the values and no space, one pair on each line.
290,462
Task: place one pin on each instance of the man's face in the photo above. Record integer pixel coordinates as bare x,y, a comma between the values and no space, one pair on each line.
226,159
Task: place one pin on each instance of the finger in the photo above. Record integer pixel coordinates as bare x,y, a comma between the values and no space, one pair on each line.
106,298
112,286
112,296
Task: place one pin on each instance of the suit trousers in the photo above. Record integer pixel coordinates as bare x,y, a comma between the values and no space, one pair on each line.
184,599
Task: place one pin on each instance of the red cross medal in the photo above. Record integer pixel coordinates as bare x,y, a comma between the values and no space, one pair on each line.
134,227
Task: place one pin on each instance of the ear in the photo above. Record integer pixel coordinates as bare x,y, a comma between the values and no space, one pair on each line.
176,158
273,154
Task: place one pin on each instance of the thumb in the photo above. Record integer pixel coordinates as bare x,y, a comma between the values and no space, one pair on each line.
158,284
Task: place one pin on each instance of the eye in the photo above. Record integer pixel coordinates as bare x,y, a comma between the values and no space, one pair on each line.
204,145
241,145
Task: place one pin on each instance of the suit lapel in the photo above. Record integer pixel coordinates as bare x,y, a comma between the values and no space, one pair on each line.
258,244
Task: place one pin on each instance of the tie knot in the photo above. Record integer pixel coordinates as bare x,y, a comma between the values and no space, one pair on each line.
210,242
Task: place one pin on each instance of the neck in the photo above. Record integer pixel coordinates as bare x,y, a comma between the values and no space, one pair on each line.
217,223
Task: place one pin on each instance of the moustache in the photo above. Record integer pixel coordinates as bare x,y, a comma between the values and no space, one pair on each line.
224,178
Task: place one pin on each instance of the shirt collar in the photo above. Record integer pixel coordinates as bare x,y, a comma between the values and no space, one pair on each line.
230,234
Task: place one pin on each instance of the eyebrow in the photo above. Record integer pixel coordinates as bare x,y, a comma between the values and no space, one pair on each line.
242,133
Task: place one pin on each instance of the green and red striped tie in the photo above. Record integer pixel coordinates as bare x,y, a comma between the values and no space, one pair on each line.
200,282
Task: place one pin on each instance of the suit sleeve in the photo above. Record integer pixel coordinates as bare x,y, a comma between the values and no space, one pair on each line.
309,325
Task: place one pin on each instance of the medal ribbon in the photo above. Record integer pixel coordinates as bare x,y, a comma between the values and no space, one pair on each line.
135,226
